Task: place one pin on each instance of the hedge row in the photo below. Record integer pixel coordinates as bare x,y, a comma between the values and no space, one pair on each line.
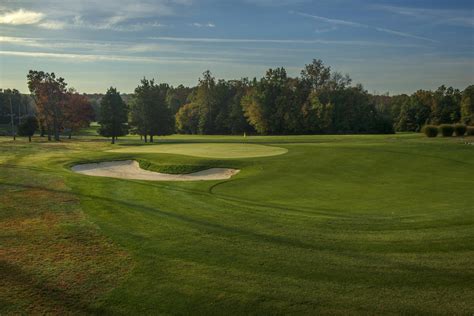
447,130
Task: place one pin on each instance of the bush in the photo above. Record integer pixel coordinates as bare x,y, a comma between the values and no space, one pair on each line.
470,130
28,127
460,129
446,130
430,130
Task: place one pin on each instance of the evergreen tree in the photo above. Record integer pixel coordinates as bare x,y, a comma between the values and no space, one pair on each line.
205,100
149,112
113,115
467,105
28,127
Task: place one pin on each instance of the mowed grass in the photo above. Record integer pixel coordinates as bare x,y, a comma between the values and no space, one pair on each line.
337,225
207,150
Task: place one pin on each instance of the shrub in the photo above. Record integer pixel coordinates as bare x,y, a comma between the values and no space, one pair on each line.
446,130
470,130
28,127
430,130
460,129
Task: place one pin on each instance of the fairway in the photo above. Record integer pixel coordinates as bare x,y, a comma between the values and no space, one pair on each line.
207,150
333,225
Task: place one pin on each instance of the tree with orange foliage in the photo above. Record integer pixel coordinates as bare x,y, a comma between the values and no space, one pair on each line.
78,112
49,94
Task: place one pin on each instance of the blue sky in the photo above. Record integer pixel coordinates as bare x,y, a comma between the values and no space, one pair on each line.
388,46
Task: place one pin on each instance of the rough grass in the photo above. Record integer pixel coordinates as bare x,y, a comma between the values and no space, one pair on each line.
52,259
339,225
171,168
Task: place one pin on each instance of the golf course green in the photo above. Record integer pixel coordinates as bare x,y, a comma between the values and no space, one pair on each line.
333,225
208,150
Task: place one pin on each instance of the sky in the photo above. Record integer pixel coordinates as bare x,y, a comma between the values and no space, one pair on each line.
387,46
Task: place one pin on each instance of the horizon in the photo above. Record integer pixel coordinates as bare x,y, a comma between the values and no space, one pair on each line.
395,47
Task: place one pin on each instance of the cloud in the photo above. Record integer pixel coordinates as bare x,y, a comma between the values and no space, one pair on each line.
380,29
119,58
438,16
89,46
275,3
114,15
278,41
360,25
331,21
52,25
113,23
17,40
210,25
20,17
325,30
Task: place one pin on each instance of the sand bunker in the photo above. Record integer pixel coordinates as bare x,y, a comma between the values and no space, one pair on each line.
130,169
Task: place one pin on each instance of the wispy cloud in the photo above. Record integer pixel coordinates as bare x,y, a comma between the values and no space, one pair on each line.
87,45
20,17
120,58
438,16
347,23
112,23
209,24
113,15
275,3
325,30
330,21
277,41
381,29
52,25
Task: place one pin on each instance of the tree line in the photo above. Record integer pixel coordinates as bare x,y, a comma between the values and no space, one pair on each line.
443,106
319,101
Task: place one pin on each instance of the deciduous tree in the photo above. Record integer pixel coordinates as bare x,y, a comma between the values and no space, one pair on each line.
49,94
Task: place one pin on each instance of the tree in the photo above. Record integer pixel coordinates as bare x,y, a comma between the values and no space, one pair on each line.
28,127
13,106
187,119
149,113
416,112
49,94
205,99
316,75
267,102
178,97
467,105
446,106
113,115
78,112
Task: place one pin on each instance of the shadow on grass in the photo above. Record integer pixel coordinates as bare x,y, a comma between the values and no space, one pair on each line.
45,292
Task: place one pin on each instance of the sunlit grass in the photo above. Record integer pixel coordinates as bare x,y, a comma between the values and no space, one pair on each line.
366,224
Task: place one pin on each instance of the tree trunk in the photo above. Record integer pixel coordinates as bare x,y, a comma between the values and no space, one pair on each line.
29,138
56,129
146,138
70,134
49,134
151,138
113,139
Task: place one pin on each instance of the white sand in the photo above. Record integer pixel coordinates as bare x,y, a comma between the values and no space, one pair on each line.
130,169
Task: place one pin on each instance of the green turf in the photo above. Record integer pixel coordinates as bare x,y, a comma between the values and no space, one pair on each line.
337,225
207,150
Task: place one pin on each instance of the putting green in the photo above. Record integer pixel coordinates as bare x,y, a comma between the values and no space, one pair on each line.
207,150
